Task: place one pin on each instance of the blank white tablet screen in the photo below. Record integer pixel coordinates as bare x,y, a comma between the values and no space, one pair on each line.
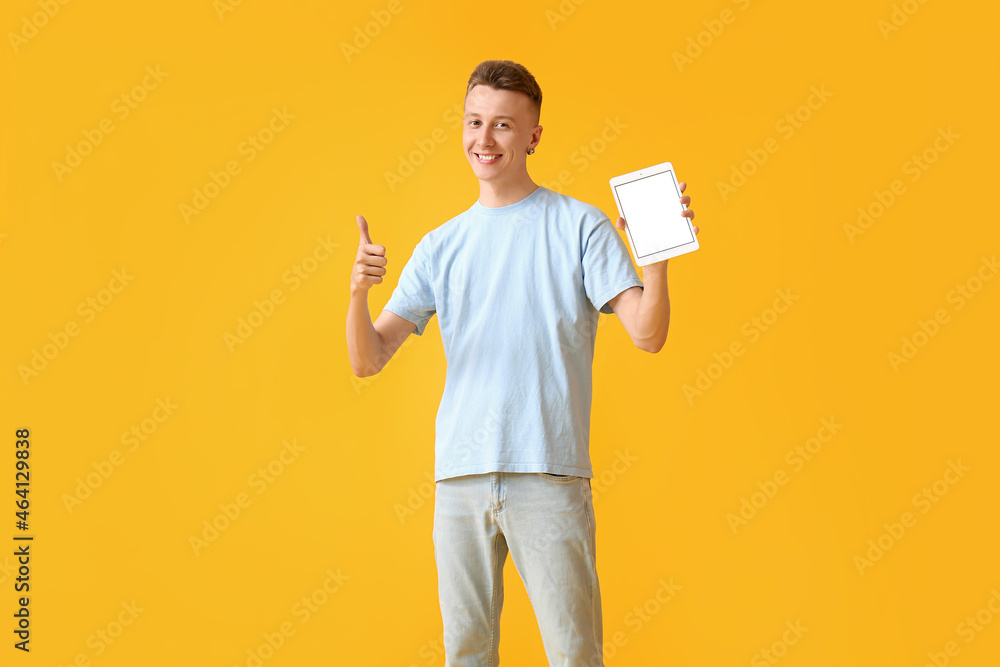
652,212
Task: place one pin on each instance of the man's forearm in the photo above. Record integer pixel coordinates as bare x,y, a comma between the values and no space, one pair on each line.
653,313
364,345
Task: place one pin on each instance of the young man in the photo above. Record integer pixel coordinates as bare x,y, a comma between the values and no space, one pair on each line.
517,282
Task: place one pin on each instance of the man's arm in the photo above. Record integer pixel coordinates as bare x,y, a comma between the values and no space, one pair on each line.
645,311
371,345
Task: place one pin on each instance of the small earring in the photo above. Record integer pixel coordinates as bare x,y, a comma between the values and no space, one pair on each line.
531,151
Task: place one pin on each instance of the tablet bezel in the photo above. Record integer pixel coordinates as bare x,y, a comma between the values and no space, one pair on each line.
660,254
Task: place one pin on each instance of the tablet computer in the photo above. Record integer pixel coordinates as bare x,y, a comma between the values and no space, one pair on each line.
649,200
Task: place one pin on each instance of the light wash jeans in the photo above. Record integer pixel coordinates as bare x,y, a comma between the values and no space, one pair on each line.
546,522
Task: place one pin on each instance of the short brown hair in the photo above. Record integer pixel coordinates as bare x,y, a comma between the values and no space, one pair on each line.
506,75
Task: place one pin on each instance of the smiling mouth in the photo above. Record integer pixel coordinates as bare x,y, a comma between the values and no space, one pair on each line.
492,157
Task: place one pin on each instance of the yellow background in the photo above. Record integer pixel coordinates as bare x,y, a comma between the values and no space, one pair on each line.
366,446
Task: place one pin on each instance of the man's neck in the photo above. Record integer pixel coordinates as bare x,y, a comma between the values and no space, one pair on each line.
495,195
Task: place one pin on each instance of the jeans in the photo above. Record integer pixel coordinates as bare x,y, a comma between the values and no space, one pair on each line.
546,522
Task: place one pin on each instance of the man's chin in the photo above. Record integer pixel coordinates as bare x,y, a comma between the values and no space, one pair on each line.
483,174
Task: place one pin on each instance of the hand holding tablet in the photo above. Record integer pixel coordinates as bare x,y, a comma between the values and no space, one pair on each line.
649,200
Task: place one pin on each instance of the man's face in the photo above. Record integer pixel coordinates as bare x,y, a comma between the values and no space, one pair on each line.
498,130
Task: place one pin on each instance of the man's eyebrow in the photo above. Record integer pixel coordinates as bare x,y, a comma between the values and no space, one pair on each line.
473,113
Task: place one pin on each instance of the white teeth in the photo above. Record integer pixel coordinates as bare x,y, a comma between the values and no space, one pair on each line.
489,158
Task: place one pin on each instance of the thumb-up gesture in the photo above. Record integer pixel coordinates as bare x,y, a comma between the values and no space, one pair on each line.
369,266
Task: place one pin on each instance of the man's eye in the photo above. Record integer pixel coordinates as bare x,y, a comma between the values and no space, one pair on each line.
504,124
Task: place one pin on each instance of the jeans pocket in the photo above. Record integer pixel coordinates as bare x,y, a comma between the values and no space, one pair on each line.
551,476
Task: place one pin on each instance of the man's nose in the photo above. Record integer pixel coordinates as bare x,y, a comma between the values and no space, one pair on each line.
486,138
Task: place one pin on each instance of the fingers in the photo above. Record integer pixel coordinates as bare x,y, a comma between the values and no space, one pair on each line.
371,255
366,240
365,281
686,200
368,268
369,259
363,228
695,230
369,265
620,223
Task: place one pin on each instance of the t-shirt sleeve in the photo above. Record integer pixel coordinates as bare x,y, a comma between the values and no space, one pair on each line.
413,298
607,267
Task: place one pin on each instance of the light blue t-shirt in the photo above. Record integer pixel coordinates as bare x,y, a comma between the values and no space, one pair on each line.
517,290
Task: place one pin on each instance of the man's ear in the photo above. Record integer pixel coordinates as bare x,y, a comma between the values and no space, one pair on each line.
536,136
